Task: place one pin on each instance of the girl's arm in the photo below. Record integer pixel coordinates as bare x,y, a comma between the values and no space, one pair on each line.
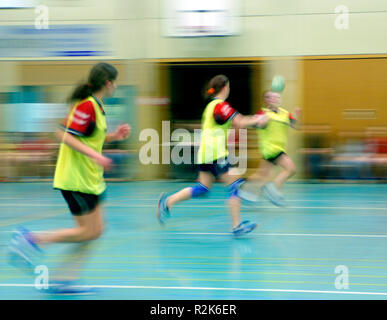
240,121
122,132
77,145
296,123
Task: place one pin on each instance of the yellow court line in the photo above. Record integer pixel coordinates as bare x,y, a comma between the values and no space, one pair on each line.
154,227
209,271
254,280
32,217
92,261
212,257
225,280
4,278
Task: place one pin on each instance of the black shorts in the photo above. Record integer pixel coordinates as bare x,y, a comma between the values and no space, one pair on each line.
81,203
217,168
274,159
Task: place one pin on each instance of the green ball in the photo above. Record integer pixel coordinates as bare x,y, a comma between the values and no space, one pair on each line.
278,84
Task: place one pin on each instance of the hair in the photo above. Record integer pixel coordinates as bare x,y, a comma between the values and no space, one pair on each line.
99,74
215,85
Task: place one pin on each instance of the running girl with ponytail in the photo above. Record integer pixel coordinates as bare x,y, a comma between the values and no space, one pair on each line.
78,176
217,119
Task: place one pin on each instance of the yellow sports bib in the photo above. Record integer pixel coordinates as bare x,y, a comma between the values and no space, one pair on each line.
273,138
213,143
76,171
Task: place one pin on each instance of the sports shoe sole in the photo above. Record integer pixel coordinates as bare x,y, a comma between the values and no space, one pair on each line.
248,230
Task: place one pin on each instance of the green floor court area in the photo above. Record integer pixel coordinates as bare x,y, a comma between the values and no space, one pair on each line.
297,251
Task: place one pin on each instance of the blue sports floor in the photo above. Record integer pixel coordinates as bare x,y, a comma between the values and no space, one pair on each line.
293,254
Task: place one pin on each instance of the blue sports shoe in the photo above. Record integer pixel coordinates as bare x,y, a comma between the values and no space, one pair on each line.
23,252
273,195
162,209
68,288
244,228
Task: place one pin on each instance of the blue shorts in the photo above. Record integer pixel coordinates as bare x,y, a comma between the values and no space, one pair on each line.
217,168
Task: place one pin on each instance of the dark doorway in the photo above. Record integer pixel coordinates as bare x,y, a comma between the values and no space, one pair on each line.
187,81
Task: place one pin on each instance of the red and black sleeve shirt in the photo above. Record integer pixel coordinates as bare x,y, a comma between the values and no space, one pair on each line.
223,112
83,122
260,112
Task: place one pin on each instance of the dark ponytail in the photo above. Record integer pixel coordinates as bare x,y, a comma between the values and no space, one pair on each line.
98,76
81,92
214,86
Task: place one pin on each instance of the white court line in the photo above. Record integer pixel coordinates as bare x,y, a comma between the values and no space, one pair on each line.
119,200
108,205
260,234
214,289
288,234
253,206
213,199
263,234
287,200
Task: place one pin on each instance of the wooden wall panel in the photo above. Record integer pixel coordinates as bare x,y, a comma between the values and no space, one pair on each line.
62,72
350,95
